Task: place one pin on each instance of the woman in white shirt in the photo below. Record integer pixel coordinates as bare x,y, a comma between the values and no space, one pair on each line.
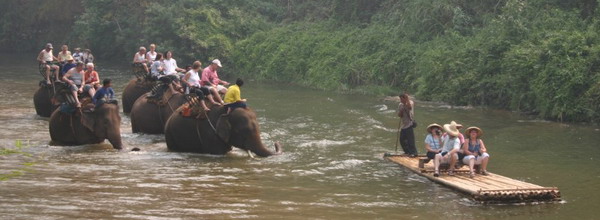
139,59
157,67
151,55
170,64
192,79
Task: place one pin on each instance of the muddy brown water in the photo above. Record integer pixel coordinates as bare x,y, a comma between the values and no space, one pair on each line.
332,167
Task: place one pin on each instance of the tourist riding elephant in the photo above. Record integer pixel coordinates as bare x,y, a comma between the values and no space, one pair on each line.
71,126
216,134
137,87
43,100
149,115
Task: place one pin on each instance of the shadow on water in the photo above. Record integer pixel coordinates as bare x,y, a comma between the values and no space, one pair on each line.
331,166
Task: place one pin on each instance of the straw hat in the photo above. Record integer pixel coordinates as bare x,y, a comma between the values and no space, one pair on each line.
479,131
431,126
452,129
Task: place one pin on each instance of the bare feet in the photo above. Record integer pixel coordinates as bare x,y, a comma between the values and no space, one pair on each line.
78,105
207,109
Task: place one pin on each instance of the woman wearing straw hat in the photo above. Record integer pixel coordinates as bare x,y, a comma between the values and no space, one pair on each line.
475,151
451,146
433,145
407,135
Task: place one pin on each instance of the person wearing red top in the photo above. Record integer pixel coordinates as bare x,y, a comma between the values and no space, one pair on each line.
211,78
91,76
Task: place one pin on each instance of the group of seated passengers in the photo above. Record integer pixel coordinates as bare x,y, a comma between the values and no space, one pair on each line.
77,70
446,148
207,82
65,60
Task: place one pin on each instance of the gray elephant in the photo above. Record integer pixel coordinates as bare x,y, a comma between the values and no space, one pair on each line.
149,114
43,100
213,133
71,126
137,87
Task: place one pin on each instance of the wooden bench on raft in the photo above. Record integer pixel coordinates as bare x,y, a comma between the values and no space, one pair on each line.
443,167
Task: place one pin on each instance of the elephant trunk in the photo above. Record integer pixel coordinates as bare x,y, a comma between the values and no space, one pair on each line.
262,151
114,137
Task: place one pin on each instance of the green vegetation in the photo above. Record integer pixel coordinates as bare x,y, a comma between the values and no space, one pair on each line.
17,151
538,56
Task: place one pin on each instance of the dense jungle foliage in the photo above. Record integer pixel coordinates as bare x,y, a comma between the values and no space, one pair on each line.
538,56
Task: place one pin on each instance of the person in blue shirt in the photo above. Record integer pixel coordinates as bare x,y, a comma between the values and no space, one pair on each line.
68,65
104,94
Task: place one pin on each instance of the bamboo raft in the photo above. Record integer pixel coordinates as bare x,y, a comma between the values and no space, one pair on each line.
492,188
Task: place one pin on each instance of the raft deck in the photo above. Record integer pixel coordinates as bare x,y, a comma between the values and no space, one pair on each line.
492,188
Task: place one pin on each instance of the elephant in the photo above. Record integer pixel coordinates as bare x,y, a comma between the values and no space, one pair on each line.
215,133
71,126
43,100
136,87
150,115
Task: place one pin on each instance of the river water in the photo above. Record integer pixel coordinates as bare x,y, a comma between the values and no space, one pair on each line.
332,166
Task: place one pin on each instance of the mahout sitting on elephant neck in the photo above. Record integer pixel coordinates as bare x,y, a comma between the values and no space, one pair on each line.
87,128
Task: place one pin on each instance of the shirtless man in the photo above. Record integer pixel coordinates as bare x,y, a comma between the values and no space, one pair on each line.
45,57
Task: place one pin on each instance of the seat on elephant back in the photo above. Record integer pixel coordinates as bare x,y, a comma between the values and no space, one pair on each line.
138,70
161,92
192,108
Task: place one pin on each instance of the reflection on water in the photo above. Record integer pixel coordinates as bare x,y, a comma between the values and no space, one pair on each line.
331,169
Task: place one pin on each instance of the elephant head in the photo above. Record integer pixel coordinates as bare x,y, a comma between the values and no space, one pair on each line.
240,129
105,123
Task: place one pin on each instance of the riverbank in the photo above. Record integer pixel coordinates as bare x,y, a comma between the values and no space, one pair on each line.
331,167
537,57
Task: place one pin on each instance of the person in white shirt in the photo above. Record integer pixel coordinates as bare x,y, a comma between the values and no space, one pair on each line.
170,64
45,58
88,57
139,59
151,55
192,79
450,148
157,67
78,55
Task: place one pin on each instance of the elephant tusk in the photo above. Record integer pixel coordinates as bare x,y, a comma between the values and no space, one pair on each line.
250,154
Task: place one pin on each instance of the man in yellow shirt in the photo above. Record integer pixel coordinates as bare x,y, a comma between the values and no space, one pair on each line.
233,97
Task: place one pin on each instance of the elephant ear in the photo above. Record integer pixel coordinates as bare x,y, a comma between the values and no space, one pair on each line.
223,128
88,120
